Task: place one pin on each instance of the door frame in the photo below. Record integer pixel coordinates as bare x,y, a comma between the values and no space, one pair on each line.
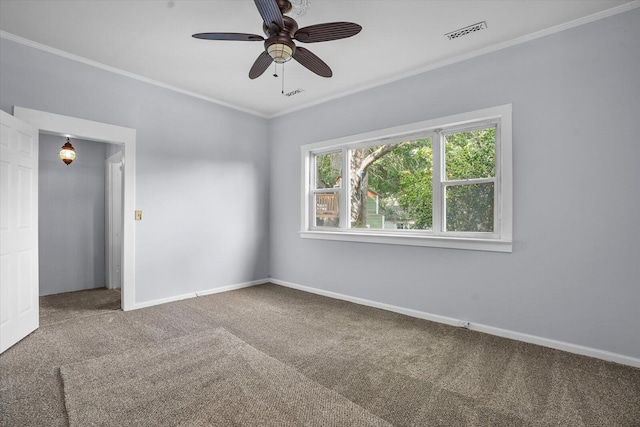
72,127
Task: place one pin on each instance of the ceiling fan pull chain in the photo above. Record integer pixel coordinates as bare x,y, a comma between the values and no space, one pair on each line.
275,69
283,78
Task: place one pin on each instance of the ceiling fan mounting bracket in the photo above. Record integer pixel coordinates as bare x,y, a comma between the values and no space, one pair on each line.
284,6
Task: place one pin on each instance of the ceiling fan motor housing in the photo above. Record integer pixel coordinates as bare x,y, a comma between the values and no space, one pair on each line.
280,45
290,28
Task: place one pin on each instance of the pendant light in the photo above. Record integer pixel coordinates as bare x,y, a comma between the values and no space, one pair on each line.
68,153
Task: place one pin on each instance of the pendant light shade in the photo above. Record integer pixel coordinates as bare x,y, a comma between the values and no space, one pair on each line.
280,52
68,153
280,48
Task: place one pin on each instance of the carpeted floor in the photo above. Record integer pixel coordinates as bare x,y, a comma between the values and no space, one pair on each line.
210,378
405,371
70,305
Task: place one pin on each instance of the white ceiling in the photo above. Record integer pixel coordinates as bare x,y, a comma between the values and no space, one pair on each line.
152,40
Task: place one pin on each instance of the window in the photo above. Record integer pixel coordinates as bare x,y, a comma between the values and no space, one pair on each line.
327,189
443,183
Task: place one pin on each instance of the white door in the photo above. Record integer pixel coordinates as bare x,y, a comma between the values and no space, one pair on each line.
113,250
18,230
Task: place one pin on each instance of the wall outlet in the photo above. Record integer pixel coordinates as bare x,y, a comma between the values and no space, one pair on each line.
463,324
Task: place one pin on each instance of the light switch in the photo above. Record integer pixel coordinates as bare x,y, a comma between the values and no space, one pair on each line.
138,215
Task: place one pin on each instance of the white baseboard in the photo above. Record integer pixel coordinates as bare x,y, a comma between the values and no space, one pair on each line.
505,333
199,293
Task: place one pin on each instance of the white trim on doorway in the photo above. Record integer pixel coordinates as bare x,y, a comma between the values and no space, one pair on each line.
56,124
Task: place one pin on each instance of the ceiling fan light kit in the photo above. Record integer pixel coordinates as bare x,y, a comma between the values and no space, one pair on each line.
281,31
280,52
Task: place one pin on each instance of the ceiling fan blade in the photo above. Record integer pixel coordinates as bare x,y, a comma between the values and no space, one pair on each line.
327,32
312,62
229,36
262,63
270,13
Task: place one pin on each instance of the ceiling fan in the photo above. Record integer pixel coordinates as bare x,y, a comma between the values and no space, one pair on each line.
281,30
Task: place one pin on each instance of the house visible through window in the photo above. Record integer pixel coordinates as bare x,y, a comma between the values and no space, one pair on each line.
327,188
444,183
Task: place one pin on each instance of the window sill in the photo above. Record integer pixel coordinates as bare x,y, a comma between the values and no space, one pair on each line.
492,245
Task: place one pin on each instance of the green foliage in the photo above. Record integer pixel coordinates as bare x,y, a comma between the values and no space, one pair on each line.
328,169
470,208
470,154
415,197
403,180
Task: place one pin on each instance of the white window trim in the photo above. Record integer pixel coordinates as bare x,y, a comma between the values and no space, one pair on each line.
500,241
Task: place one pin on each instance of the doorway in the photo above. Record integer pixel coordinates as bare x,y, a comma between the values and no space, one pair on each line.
54,124
73,217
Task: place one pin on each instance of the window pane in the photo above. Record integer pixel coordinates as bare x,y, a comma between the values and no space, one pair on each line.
469,207
391,186
329,170
327,210
470,154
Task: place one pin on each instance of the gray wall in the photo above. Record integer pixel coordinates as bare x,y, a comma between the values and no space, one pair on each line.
574,274
71,209
202,170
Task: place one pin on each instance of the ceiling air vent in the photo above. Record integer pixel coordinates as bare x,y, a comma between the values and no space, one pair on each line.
466,30
293,92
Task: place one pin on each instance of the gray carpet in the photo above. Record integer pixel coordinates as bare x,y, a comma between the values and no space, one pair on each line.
406,371
205,379
69,305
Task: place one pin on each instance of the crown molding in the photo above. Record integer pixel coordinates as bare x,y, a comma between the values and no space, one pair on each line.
427,67
96,64
459,58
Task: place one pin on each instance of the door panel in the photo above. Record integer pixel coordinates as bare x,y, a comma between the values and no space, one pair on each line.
25,183
4,201
5,278
114,220
18,230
